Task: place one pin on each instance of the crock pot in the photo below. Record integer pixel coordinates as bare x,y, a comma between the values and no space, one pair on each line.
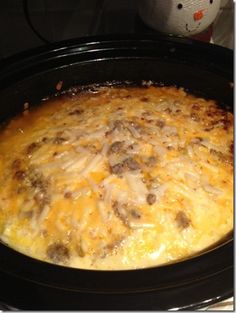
202,69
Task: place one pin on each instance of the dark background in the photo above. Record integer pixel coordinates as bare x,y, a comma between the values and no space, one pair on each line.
58,20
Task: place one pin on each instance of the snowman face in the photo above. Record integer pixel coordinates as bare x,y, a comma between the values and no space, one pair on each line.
179,17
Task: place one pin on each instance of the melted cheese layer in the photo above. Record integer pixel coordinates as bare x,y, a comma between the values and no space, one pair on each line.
118,178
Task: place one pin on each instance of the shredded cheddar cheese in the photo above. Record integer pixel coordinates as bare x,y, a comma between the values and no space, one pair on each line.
117,178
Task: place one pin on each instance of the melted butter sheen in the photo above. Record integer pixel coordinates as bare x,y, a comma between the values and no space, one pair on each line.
117,179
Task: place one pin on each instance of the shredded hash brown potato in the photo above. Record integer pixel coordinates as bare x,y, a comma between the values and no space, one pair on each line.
117,178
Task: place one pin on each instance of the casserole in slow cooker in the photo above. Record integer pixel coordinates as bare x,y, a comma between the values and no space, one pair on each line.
202,70
117,178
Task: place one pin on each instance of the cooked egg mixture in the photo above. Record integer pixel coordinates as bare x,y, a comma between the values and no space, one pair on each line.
117,178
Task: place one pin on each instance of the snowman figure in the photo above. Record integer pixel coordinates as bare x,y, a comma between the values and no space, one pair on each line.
179,17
